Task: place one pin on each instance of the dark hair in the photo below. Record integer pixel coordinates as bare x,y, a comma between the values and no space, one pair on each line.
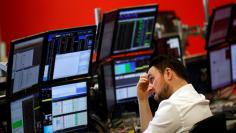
163,61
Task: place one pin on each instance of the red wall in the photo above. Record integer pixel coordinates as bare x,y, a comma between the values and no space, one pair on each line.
20,18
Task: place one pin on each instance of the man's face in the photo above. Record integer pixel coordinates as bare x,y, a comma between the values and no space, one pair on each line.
157,84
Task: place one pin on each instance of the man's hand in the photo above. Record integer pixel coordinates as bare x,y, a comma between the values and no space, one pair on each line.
142,87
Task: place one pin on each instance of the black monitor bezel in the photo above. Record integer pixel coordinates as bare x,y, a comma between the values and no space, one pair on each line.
10,65
209,68
116,24
210,26
104,89
52,81
127,100
66,82
156,50
98,60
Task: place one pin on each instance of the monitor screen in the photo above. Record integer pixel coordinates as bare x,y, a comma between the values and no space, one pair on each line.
169,46
127,73
69,53
65,107
220,69
233,61
219,26
25,115
106,35
24,63
135,29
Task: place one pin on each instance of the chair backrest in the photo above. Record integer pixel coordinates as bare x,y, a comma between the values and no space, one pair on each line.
212,124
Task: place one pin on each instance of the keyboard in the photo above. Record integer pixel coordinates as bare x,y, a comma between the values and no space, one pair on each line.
231,109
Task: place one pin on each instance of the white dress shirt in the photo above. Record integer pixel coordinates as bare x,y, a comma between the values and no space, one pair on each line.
180,112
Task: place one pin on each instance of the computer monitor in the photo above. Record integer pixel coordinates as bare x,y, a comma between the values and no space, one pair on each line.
169,46
232,33
220,67
25,114
106,35
126,74
135,29
25,63
198,69
69,53
65,107
219,26
233,61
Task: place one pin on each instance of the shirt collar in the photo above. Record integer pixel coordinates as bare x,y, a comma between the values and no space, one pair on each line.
181,89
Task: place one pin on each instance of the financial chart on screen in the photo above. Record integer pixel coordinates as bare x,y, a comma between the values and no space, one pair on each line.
135,29
68,105
127,73
25,65
69,53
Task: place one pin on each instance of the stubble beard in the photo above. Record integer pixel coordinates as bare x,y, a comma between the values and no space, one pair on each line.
164,94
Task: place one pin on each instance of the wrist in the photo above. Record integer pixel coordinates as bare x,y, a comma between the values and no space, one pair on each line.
143,98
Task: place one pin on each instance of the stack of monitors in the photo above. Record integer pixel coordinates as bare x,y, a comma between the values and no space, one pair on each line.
24,75
127,30
65,107
220,46
169,46
69,53
126,76
64,98
56,59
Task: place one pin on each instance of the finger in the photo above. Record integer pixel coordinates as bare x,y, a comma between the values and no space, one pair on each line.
143,81
144,75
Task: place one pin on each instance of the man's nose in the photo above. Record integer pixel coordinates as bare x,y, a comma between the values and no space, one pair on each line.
150,88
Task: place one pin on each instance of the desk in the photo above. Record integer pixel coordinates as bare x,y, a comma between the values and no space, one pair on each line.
128,123
222,106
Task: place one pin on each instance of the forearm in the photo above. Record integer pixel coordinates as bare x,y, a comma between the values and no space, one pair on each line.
145,113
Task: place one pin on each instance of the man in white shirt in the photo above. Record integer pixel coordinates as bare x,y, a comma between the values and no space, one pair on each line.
180,105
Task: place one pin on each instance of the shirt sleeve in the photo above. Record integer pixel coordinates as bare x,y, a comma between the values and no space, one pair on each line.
166,119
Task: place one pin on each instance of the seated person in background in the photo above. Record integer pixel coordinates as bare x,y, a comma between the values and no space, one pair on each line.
180,105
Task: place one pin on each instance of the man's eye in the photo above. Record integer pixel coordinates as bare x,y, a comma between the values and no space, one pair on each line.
151,79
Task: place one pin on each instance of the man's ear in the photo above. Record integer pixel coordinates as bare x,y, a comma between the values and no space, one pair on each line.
168,74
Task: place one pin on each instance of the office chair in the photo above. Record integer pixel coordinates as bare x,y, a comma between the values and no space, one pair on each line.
212,124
